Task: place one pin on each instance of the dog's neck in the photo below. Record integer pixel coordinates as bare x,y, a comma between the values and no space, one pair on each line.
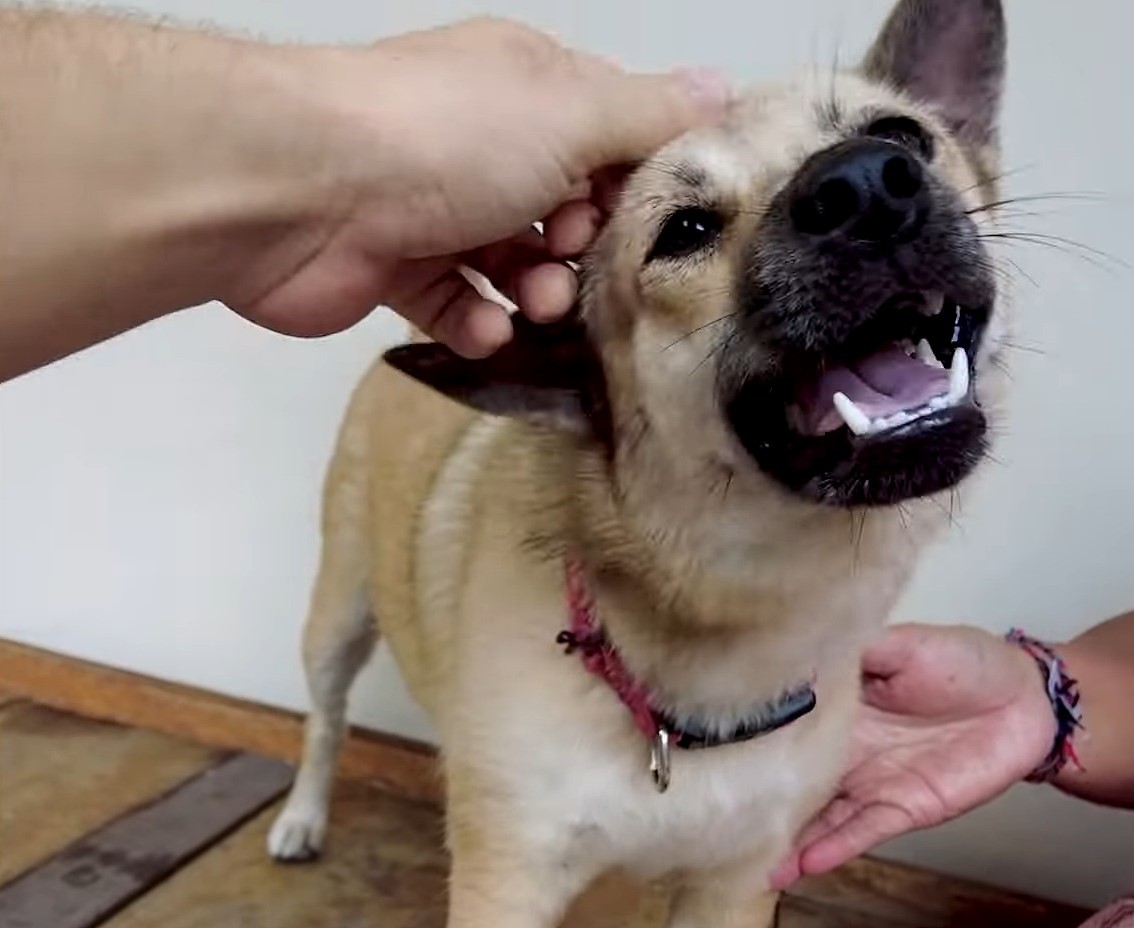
721,593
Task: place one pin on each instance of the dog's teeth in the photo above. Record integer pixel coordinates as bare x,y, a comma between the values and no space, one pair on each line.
938,403
958,377
925,354
934,303
857,421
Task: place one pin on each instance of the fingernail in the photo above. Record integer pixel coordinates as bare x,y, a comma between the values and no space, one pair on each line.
710,89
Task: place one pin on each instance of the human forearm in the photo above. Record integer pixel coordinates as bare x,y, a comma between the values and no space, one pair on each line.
145,168
1102,661
130,184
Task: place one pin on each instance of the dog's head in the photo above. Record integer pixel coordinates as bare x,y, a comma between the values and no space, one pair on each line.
802,292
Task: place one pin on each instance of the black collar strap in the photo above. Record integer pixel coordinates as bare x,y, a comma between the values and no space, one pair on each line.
697,734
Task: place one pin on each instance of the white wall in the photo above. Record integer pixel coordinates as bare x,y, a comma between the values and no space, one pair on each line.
158,494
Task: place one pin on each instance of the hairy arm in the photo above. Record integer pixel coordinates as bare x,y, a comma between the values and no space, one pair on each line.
127,190
146,168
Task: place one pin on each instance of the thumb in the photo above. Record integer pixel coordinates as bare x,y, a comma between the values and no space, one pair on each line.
896,650
632,116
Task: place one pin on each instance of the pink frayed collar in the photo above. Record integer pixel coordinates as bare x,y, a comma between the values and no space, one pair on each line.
586,637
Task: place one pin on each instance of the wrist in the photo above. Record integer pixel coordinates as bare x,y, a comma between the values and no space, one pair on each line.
1051,703
323,148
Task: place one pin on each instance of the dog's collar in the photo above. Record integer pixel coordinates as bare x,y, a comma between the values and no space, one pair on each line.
587,638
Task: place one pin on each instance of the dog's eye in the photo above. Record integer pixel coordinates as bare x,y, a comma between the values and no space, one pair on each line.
685,232
904,131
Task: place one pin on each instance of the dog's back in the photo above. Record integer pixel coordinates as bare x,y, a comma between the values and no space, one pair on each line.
394,440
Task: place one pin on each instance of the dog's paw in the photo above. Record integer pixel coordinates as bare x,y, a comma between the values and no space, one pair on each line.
297,835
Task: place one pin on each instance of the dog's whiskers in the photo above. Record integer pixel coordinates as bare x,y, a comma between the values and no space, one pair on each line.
1034,198
1001,365
1093,256
1013,345
947,512
699,329
996,178
715,350
903,518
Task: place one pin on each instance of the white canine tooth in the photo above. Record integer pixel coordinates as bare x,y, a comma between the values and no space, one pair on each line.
857,421
938,403
925,354
958,377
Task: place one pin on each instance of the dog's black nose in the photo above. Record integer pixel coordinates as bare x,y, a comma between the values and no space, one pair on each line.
866,190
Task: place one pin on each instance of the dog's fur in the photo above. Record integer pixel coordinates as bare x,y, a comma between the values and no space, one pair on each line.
721,586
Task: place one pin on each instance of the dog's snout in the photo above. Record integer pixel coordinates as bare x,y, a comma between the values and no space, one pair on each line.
865,190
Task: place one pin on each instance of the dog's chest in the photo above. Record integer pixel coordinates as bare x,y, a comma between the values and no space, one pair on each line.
724,803
563,749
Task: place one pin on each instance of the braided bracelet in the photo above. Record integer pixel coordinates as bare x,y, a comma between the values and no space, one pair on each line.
1063,693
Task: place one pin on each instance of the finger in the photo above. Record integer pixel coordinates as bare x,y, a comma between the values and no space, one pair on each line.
519,269
628,117
872,826
572,228
501,261
786,874
834,816
452,311
546,292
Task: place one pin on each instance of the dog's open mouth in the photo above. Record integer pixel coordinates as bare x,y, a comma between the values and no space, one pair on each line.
889,413
901,372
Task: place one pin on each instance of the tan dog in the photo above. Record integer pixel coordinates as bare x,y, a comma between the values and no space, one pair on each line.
708,489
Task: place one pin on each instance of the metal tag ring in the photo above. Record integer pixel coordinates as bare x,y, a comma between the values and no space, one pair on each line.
660,760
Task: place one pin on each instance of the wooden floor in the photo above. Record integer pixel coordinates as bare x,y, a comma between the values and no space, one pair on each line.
105,825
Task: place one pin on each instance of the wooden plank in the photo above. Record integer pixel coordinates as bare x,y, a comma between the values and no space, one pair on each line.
889,891
384,865
406,767
61,776
104,871
875,889
797,912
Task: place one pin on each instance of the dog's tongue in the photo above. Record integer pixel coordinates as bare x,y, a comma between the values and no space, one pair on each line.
885,383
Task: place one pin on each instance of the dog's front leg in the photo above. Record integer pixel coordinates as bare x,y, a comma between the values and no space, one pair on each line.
735,896
503,879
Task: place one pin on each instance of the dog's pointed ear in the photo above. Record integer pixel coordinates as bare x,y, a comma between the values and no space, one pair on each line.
950,54
547,374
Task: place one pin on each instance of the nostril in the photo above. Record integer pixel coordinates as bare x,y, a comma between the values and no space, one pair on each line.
901,177
833,204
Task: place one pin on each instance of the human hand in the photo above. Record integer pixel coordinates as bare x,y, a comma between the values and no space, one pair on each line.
951,718
441,149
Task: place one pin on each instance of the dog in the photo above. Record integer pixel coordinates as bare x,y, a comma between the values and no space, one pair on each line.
630,562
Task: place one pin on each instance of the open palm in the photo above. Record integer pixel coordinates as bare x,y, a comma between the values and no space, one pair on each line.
951,718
